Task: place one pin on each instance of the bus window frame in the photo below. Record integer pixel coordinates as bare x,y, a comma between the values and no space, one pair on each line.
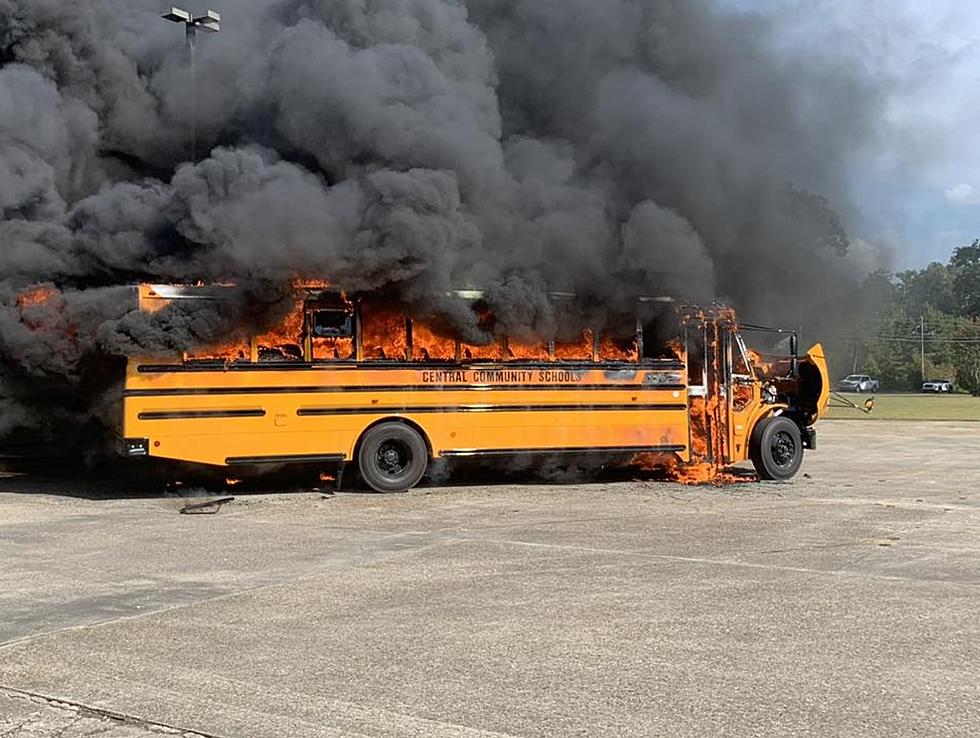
739,342
696,390
310,307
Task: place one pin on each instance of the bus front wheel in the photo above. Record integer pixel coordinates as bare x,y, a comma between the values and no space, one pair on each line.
776,448
393,457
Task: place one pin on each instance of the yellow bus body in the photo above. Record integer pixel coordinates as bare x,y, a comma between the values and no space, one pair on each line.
254,414
265,405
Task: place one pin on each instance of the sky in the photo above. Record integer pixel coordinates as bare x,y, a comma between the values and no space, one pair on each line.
918,185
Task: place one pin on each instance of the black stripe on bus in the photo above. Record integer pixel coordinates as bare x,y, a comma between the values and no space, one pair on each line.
379,410
179,391
187,414
466,453
276,366
300,459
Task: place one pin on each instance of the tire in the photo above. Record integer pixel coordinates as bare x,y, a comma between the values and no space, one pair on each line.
392,457
776,448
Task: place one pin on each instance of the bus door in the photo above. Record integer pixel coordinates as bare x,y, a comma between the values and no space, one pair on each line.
742,393
701,384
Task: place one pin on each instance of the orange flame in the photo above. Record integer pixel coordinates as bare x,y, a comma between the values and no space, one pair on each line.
577,350
384,336
39,294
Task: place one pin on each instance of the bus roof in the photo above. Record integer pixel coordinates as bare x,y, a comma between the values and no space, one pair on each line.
217,291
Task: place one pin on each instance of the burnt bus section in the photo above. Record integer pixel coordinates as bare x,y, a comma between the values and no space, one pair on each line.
673,382
329,326
791,379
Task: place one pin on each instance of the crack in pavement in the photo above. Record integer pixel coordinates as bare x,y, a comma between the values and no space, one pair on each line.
79,712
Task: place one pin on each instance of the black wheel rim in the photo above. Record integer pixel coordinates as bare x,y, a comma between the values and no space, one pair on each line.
783,449
393,458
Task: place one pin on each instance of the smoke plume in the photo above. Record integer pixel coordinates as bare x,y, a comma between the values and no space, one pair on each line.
611,149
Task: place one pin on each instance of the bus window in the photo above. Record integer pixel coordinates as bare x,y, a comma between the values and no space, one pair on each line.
660,350
284,341
523,349
575,348
333,323
696,376
740,360
661,333
493,351
427,345
332,333
282,352
384,332
617,349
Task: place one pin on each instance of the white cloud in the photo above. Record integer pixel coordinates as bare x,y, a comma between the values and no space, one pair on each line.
963,194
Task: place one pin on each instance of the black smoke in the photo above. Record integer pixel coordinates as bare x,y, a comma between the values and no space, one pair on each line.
611,149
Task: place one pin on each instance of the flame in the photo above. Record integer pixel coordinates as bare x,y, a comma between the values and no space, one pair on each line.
491,352
39,294
40,310
428,346
580,349
708,450
285,339
229,482
690,474
384,334
527,350
613,349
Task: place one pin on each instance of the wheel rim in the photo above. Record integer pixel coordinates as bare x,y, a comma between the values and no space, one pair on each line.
783,449
393,458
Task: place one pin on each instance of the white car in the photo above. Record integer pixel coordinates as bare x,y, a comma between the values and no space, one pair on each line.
858,383
937,386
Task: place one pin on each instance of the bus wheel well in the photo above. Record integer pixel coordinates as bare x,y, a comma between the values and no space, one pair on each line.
404,421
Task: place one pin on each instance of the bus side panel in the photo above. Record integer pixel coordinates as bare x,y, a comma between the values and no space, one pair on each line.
219,417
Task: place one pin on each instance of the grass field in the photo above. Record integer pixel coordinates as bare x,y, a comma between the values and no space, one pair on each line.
910,407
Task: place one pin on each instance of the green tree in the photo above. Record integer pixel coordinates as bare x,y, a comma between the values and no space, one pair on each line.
932,287
965,266
967,356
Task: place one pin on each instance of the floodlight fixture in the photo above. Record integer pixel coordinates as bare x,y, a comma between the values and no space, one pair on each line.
178,16
210,22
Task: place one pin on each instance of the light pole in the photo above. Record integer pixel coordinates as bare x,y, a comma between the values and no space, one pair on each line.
922,344
209,22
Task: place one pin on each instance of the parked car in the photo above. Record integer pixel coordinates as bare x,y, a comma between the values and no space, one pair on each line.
858,383
937,386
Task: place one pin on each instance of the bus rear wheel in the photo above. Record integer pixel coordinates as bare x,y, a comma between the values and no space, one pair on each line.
776,448
393,457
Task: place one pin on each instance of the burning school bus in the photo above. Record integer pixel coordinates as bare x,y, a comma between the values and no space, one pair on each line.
352,379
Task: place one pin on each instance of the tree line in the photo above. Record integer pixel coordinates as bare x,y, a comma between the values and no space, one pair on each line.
917,325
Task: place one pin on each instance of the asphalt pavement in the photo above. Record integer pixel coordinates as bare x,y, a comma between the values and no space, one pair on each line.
845,603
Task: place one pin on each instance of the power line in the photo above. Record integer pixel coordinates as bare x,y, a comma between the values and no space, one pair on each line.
912,339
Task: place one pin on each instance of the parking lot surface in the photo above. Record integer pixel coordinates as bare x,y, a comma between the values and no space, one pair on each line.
845,603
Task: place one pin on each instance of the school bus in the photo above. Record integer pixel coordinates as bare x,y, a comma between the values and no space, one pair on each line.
351,379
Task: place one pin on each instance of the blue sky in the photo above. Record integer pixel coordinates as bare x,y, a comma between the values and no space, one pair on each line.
919,186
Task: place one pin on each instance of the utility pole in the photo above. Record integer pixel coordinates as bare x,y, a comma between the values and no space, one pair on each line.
209,22
922,345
